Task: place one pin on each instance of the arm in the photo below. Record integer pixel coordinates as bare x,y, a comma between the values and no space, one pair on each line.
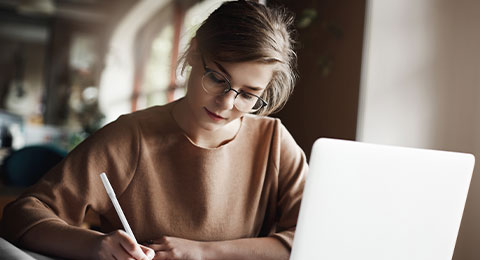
46,218
59,239
248,248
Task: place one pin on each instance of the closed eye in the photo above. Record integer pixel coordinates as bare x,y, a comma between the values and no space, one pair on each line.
246,96
216,79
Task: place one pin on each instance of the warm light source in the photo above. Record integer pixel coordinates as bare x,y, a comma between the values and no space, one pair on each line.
46,7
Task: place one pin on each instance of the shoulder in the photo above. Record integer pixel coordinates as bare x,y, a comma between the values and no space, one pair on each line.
271,132
266,125
128,129
261,123
156,118
154,114
285,155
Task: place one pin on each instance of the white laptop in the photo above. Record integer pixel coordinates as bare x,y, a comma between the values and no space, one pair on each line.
377,202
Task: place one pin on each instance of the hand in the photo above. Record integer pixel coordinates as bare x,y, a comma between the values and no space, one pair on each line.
176,248
119,245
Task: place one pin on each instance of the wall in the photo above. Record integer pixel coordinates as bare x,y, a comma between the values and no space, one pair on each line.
117,79
325,100
421,86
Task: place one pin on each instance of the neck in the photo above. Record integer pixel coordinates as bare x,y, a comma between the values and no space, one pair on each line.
201,136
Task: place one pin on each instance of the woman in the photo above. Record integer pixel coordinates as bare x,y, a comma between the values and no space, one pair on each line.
199,178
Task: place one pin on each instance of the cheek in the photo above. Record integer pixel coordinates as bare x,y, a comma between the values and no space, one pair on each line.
194,90
194,84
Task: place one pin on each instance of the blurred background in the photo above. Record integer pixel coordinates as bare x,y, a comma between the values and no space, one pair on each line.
382,71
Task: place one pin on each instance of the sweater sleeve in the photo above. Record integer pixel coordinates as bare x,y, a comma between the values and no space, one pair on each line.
292,168
66,192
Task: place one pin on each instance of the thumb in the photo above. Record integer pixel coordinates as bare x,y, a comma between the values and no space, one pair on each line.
149,252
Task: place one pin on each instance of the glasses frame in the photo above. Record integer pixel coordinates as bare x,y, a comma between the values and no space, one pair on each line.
208,70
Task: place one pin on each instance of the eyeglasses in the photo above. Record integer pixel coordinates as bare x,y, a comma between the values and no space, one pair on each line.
216,84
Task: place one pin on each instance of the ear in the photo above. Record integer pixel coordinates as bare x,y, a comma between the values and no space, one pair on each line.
192,53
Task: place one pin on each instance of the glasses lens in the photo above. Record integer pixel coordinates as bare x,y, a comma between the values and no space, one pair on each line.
247,102
259,104
214,83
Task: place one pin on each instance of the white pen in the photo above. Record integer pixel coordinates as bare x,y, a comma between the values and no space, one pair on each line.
112,196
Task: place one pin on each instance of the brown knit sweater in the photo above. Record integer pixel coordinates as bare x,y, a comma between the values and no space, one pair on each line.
166,185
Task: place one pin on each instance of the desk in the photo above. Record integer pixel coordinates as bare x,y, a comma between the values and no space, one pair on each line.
9,251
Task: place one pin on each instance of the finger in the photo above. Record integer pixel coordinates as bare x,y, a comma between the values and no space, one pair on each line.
132,248
160,240
161,244
161,255
136,252
160,247
113,242
121,254
150,253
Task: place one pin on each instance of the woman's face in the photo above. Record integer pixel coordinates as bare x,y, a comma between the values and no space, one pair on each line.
214,112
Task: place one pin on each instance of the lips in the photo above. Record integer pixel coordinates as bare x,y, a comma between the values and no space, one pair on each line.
213,115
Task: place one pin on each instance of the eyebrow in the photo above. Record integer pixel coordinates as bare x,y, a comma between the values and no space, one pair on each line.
228,74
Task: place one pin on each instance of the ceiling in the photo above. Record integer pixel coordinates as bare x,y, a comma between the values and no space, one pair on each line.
31,20
84,10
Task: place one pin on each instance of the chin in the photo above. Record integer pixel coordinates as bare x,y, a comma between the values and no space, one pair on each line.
212,126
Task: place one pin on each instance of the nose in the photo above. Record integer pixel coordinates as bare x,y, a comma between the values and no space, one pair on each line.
227,100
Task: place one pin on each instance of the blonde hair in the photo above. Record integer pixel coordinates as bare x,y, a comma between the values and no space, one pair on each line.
240,31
